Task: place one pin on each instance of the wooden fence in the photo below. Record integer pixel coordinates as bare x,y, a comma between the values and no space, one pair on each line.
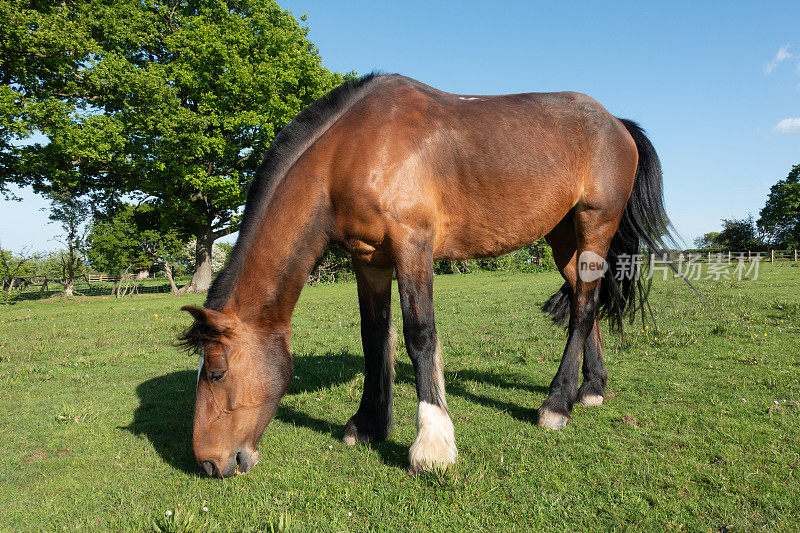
730,256
101,278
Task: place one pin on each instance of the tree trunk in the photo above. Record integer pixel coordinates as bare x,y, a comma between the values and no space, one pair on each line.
201,279
168,273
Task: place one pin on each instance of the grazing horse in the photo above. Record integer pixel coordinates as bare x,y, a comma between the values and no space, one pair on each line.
402,175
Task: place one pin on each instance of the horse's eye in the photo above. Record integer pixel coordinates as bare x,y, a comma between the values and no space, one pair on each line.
215,376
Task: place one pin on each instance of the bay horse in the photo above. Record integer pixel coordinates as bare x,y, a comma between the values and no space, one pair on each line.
402,175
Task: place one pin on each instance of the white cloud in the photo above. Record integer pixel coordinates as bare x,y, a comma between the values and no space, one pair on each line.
788,126
782,55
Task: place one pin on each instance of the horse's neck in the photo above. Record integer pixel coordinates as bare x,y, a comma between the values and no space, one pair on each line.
290,237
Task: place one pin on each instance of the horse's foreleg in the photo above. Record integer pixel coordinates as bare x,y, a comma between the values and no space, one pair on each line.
373,420
434,445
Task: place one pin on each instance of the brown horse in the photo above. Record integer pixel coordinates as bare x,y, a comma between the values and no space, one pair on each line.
403,174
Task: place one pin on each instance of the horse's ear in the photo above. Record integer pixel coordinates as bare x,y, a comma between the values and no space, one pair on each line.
213,319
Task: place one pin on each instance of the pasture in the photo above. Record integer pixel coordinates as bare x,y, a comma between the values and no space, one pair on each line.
699,430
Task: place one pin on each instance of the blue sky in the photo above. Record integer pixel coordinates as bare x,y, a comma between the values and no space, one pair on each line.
715,84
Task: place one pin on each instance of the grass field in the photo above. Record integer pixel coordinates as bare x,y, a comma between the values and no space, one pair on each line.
699,431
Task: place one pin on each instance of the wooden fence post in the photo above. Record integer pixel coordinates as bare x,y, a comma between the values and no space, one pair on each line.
772,258
729,257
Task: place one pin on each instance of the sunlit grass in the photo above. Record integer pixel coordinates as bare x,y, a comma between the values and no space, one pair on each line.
699,430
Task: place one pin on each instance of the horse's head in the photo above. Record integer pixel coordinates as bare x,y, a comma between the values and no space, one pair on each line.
242,377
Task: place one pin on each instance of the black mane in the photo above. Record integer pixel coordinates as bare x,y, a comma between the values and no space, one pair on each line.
284,151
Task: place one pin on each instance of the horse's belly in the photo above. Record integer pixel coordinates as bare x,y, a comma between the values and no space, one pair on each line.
489,242
490,226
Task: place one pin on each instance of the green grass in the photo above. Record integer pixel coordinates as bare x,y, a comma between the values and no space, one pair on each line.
96,407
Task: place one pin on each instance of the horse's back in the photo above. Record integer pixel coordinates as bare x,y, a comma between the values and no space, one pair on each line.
483,175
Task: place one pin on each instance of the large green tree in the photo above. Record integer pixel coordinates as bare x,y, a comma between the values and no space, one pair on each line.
780,218
169,101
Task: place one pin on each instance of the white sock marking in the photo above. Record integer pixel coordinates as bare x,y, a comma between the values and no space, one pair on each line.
435,443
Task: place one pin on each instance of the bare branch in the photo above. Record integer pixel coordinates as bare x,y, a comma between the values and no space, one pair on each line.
233,228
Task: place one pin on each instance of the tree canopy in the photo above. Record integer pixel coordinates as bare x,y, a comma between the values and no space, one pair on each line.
780,217
169,102
739,235
707,240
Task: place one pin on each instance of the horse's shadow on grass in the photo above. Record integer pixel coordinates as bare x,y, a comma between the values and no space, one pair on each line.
164,416
166,404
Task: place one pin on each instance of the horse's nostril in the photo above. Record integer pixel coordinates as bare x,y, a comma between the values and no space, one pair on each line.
209,467
246,460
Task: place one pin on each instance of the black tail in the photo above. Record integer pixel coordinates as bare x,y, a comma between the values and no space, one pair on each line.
644,229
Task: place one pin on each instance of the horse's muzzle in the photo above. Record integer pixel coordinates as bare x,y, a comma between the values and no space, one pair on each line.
240,462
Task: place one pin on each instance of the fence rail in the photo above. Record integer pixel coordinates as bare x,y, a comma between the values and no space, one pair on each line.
730,256
101,278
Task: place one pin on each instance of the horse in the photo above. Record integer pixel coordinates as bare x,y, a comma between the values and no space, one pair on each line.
402,174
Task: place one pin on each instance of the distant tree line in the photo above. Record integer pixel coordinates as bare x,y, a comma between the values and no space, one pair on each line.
336,265
778,225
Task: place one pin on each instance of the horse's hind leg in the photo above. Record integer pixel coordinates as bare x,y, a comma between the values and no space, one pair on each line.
373,420
595,375
563,241
434,445
579,240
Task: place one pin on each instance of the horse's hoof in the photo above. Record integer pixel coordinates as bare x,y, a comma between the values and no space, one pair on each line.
351,435
435,446
433,464
551,420
591,400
